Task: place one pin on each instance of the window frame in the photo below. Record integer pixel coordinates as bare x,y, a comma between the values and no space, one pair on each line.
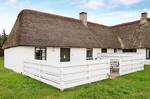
63,60
147,57
41,57
129,50
89,57
115,50
104,50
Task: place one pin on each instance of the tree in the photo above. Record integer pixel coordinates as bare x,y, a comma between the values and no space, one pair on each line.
4,36
0,40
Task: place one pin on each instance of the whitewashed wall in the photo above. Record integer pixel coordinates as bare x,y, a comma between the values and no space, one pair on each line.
110,50
67,74
14,57
139,51
143,51
53,55
97,52
77,55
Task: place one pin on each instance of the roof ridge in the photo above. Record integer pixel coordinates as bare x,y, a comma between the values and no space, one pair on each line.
127,23
75,19
61,16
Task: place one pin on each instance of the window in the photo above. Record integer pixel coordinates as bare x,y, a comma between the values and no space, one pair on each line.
64,54
147,53
129,50
115,50
104,50
40,53
89,54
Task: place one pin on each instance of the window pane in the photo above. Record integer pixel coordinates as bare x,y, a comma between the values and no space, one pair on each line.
147,53
40,53
64,54
89,54
129,50
115,50
104,50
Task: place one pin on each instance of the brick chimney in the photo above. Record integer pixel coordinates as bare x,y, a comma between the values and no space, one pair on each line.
144,17
83,18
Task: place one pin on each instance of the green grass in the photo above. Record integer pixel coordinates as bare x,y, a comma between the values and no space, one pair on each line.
132,86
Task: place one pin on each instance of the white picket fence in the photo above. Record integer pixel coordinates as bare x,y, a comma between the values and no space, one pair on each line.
65,75
130,65
121,55
68,75
128,62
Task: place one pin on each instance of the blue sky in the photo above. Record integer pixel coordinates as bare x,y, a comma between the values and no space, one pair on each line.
107,12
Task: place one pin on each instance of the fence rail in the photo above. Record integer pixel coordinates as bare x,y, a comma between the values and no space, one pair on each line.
128,62
131,65
65,76
68,75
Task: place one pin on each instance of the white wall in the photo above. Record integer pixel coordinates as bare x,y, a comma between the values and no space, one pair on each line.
53,55
119,50
78,55
140,51
143,51
14,57
110,50
96,52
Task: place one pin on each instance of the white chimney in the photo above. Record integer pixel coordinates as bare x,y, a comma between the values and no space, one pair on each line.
83,18
144,17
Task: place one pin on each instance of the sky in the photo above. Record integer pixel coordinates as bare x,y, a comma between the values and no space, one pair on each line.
106,12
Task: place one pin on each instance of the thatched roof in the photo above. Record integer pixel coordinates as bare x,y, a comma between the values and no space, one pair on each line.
133,34
34,28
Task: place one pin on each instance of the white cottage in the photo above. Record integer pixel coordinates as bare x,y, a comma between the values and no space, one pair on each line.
66,52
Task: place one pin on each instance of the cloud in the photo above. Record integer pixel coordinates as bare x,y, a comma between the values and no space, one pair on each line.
117,3
94,4
89,4
125,2
11,2
118,17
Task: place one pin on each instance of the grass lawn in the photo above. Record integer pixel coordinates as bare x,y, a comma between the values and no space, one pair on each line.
132,86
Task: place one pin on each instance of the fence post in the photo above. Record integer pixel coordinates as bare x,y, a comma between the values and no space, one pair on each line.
108,67
89,78
40,71
120,68
23,69
61,78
